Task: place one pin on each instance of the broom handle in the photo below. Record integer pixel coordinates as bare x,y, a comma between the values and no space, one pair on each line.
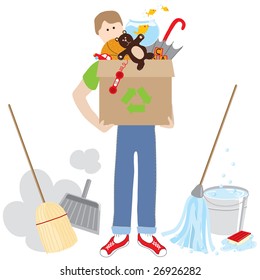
216,140
26,153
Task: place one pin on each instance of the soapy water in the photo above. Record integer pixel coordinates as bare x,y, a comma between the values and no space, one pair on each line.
193,229
228,246
229,168
225,193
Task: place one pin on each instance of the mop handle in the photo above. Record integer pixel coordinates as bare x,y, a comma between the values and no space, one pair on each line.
216,140
26,153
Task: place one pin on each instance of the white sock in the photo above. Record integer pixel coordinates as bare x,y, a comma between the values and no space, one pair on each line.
119,238
147,237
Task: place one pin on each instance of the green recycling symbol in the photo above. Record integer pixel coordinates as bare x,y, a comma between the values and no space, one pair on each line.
131,92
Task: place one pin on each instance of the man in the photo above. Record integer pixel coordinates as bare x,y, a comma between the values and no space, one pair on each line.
130,139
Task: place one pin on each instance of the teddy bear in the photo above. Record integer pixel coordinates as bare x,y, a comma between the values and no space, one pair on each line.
133,49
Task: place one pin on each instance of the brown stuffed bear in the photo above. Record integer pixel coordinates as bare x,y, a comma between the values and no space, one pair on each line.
136,52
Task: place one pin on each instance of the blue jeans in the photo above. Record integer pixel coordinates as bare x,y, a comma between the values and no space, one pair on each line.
131,139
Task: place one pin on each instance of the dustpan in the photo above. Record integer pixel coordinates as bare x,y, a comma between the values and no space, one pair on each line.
83,213
161,49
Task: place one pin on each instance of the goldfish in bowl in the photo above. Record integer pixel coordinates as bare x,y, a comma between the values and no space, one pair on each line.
148,28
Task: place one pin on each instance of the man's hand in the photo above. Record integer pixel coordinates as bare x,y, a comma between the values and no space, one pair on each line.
104,127
171,123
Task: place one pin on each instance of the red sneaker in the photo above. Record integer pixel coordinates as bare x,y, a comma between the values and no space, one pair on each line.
110,248
155,247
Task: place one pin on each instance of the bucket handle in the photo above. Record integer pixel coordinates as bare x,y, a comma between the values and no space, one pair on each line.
226,205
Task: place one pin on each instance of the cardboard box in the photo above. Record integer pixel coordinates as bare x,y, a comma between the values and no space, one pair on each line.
143,97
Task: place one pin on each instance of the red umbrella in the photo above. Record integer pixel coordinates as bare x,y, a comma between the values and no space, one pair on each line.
161,49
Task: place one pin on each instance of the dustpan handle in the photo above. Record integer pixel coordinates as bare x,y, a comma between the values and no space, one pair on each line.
167,34
86,188
216,140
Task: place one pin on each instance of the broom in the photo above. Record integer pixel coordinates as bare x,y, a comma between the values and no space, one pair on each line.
53,225
195,222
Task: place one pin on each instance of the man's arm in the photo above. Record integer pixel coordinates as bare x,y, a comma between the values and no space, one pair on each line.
80,97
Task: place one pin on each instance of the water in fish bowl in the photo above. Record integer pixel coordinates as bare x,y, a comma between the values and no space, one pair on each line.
148,28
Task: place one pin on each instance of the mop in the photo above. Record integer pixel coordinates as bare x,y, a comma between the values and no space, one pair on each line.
193,229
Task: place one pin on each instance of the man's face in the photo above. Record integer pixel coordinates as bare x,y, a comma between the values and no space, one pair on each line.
110,31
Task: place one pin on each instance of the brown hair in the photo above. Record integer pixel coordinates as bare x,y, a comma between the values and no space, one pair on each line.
108,16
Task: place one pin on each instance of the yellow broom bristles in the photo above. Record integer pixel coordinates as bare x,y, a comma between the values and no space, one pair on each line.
54,227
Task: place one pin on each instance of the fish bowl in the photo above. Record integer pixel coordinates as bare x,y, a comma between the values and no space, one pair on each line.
148,28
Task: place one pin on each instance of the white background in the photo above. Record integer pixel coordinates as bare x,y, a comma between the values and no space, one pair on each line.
46,46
